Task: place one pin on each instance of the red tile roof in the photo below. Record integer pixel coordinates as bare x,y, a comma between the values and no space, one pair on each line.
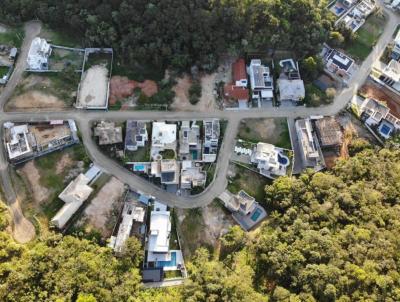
239,70
236,92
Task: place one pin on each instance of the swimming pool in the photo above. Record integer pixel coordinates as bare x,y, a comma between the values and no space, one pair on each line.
283,160
338,10
172,262
139,168
385,130
255,215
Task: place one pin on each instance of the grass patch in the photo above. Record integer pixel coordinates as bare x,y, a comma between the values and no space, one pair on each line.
273,131
191,230
249,181
210,169
12,37
173,240
98,58
367,37
172,274
3,71
63,37
142,154
315,97
167,154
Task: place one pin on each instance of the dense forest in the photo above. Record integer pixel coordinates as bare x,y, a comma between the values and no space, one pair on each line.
182,33
331,236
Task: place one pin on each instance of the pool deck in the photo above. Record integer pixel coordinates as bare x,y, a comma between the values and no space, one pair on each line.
246,222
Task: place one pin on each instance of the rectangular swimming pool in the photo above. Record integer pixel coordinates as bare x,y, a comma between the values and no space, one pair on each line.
172,262
255,215
138,168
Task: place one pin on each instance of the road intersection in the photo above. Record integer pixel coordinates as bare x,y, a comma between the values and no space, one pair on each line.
84,120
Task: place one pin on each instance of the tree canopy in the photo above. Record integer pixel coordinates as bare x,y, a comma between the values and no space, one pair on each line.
181,33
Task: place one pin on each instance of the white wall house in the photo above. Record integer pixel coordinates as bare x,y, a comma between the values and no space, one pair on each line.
261,82
211,140
269,159
159,234
38,55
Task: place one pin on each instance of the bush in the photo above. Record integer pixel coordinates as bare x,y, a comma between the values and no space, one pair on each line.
195,93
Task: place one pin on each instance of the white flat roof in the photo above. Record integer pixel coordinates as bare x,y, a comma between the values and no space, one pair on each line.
163,134
160,228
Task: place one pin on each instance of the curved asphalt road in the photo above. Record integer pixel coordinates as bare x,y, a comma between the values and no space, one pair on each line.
84,119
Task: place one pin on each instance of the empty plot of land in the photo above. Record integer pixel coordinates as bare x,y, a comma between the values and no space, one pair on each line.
93,89
97,212
273,131
207,101
39,192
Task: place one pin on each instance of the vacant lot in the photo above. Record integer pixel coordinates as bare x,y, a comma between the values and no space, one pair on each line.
367,36
11,36
50,91
44,178
207,101
93,89
100,209
63,58
273,131
202,227
240,178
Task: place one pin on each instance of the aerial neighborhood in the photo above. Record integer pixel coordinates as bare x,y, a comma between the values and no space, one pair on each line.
238,153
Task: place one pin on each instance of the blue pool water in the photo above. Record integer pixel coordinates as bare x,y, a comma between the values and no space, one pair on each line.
255,215
283,160
385,130
138,168
172,262
339,10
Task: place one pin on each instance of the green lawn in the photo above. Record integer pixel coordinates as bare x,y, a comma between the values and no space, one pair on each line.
142,154
249,181
12,37
367,36
314,96
273,131
3,70
172,274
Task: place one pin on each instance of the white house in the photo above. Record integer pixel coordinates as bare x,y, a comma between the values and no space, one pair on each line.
269,160
163,137
39,54
211,139
260,81
18,144
73,195
159,235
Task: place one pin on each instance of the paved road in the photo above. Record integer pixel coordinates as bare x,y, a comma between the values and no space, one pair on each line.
84,118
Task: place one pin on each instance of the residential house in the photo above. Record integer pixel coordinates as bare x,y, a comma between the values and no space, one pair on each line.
211,140
290,85
159,236
26,141
192,175
167,170
136,135
329,132
309,147
385,117
245,209
74,195
38,55
396,47
338,64
237,90
270,160
390,75
132,213
261,82
108,133
357,16
189,141
163,138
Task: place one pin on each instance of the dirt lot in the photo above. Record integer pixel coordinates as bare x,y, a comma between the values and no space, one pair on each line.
93,89
273,131
40,193
203,227
207,101
97,212
38,91
122,88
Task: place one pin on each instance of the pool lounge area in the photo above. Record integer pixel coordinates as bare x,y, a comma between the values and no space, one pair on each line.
250,221
171,265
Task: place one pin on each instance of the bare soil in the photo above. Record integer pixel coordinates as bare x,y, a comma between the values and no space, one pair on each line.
40,193
93,89
207,101
97,212
35,100
122,87
65,162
